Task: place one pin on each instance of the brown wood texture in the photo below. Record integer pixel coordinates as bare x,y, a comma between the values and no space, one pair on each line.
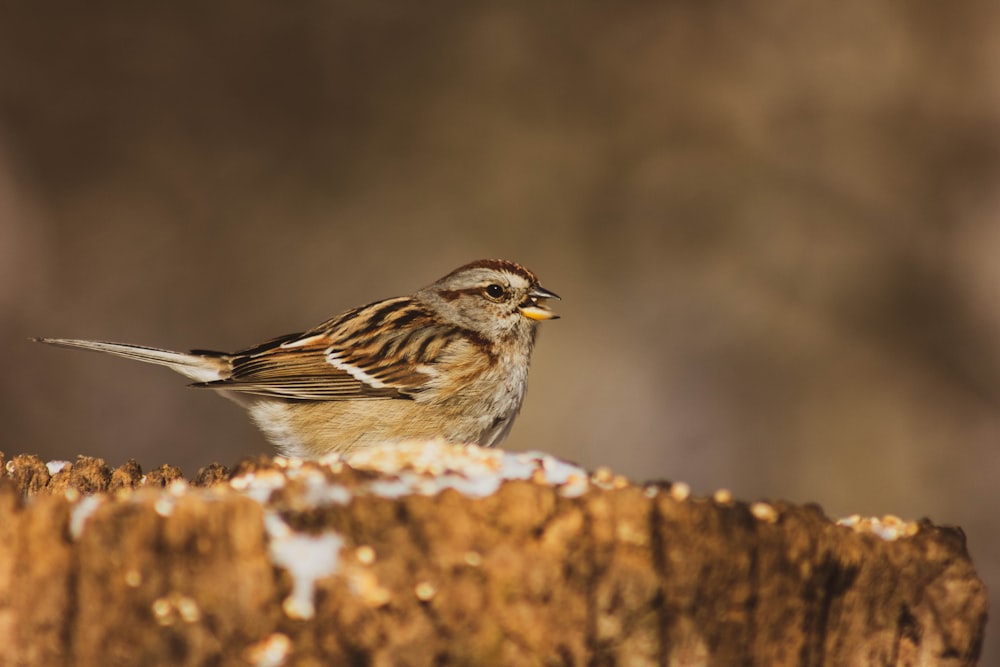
114,567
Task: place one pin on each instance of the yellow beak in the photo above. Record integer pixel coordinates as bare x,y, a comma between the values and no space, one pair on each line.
535,308
538,312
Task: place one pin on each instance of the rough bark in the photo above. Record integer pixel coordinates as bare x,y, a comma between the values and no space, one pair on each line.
419,561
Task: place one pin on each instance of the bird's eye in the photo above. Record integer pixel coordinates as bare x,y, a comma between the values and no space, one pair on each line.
495,291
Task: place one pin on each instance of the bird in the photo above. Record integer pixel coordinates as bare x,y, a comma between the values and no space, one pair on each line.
448,362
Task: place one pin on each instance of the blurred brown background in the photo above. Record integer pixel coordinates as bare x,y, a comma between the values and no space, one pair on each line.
775,227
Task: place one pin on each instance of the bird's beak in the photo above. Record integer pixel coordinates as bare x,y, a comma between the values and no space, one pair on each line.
534,307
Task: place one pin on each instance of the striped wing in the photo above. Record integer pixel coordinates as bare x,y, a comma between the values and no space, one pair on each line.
383,350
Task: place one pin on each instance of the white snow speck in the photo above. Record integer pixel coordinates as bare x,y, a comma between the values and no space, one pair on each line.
80,513
56,466
307,558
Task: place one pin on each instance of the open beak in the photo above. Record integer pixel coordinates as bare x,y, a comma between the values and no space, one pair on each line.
534,307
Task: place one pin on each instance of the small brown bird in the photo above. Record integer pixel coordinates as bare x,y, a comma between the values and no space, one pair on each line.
450,361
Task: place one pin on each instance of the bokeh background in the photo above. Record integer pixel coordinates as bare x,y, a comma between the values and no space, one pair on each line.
775,226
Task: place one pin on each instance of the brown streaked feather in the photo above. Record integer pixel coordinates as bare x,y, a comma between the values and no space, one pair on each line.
363,320
300,373
496,265
370,340
454,294
304,388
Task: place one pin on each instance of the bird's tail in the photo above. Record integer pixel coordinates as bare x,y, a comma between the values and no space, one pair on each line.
199,366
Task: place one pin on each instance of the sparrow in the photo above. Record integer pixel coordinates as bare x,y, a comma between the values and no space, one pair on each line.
448,362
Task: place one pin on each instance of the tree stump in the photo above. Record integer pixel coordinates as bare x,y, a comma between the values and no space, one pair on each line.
435,554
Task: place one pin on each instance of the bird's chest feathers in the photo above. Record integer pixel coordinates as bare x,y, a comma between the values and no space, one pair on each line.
473,377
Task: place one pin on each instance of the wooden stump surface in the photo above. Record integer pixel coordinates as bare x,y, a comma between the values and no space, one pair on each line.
434,554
